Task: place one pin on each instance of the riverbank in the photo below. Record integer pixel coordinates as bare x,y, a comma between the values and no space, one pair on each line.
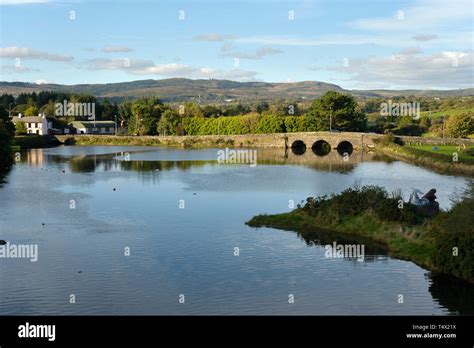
25,142
438,162
371,213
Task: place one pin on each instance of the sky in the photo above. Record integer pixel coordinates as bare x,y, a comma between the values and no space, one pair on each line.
356,44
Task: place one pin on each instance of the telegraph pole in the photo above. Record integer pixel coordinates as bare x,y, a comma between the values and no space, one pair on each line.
330,119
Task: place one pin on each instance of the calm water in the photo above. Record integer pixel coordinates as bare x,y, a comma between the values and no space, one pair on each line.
190,251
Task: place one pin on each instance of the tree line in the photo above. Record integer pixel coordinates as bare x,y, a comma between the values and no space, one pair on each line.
332,111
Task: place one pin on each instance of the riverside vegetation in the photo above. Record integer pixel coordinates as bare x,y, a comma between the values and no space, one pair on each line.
444,244
448,159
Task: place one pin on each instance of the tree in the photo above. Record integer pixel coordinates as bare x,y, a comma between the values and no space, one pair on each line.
31,111
341,108
406,125
125,113
262,107
192,110
146,113
20,128
7,131
425,122
211,111
168,123
460,126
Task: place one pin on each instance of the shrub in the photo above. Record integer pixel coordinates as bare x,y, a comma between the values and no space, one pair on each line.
460,126
20,128
355,201
455,229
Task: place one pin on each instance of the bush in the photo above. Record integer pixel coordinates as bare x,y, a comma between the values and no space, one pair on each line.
455,229
355,201
271,124
20,128
460,126
296,124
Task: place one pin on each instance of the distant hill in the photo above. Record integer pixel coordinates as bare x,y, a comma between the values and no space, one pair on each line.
216,91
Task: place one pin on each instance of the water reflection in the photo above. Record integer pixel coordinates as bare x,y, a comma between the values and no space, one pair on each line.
455,294
132,161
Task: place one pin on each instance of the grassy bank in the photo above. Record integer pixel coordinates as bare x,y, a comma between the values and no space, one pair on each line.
34,141
169,141
423,155
371,213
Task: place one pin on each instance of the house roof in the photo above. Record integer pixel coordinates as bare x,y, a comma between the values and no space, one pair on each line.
37,119
92,124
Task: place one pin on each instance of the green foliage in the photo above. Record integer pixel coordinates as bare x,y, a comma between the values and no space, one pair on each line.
460,126
262,106
357,201
146,113
20,128
271,124
341,108
7,130
296,124
31,111
168,123
455,229
191,110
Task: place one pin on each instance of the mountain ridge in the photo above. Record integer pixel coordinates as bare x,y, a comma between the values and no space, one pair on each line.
217,91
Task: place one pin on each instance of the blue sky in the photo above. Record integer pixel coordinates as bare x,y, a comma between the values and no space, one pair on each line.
356,44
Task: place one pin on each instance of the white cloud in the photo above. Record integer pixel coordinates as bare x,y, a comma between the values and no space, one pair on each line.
424,37
28,53
117,64
148,67
449,69
426,14
113,49
229,51
213,37
182,70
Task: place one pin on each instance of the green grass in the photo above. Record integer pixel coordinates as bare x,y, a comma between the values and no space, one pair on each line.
448,112
446,150
407,245
426,157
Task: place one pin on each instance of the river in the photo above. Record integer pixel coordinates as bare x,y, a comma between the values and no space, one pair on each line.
144,230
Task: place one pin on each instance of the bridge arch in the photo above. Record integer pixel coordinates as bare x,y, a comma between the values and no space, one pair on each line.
345,147
321,148
298,147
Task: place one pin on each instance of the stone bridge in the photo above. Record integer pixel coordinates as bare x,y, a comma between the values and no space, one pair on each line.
326,141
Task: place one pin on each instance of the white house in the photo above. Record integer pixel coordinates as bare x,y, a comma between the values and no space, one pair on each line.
34,124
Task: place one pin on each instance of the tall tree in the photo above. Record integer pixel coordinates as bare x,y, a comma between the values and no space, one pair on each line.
341,109
7,131
146,113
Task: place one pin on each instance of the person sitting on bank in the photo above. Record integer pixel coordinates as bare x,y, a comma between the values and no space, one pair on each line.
430,195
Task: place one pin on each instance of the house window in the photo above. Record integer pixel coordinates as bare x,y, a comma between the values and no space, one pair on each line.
40,125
